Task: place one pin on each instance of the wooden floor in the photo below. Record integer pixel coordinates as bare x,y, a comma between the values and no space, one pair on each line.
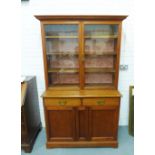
126,147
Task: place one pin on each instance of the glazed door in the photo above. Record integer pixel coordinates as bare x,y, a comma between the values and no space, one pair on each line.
61,123
100,54
80,55
103,122
61,52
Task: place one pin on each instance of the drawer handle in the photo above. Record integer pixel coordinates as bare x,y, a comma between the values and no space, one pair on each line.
62,102
100,102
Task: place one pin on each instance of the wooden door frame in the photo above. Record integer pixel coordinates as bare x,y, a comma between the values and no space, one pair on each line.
43,23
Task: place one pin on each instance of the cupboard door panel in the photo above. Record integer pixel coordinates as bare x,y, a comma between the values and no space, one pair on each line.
61,124
103,122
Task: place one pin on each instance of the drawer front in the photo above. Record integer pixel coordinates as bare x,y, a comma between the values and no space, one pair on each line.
101,101
62,102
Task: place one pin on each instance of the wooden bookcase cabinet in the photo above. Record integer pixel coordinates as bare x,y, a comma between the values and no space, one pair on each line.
81,63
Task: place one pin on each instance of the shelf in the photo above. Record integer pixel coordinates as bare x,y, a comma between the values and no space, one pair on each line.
62,53
63,70
64,85
105,36
99,86
59,37
99,70
100,54
87,54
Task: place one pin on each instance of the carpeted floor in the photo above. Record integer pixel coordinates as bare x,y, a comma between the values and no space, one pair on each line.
126,147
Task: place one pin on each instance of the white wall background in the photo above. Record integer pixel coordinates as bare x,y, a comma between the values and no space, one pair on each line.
32,62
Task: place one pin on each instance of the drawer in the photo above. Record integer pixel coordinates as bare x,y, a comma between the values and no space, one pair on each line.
62,102
101,101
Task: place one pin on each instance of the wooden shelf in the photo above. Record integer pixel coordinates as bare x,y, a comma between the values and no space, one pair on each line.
62,53
100,54
87,54
59,37
73,85
87,70
99,86
63,70
99,70
105,36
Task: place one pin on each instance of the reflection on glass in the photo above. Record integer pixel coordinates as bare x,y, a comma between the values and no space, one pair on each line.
62,46
61,39
98,78
99,46
63,78
100,30
63,62
61,30
99,62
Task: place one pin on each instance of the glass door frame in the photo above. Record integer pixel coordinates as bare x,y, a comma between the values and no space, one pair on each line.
117,56
43,24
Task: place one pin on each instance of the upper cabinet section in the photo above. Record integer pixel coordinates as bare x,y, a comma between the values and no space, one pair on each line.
81,52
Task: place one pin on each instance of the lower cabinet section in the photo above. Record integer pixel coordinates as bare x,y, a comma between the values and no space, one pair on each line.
87,124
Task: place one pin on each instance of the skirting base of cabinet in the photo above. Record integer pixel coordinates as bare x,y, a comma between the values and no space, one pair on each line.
82,144
27,147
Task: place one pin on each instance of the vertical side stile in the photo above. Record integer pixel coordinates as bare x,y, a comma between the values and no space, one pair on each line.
44,55
118,54
81,54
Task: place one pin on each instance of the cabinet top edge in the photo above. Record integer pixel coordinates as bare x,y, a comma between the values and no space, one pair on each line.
81,93
81,17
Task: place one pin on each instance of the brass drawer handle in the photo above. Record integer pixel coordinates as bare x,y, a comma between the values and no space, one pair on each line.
100,102
62,102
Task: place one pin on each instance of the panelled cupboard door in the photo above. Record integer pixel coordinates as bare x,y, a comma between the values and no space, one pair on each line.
61,123
103,122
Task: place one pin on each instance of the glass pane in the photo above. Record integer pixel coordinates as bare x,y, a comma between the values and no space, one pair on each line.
101,30
62,62
98,78
62,54
61,30
100,50
99,62
63,78
99,46
60,46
